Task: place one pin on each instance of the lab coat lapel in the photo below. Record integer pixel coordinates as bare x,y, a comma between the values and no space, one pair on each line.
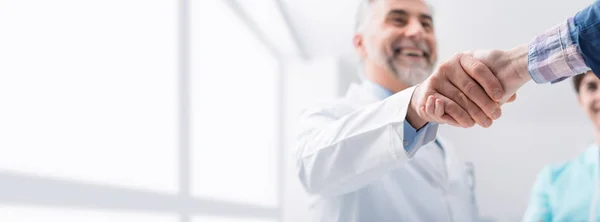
361,95
454,168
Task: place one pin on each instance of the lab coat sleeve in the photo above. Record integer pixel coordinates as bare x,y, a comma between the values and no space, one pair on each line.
340,154
539,205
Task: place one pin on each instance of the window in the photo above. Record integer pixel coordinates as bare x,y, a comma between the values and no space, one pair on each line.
224,219
94,119
234,109
36,214
269,19
88,91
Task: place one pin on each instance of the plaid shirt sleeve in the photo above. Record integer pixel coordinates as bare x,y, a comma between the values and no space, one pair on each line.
554,56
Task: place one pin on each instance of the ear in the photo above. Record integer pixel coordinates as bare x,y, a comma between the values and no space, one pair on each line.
358,43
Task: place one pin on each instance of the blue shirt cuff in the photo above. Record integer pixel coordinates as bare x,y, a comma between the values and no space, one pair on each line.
410,135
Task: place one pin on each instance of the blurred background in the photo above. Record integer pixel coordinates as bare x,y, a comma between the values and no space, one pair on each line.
137,110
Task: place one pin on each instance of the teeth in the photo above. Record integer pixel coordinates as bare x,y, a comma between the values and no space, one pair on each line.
412,52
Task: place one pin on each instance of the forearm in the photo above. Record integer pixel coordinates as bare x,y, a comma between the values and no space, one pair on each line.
517,70
518,57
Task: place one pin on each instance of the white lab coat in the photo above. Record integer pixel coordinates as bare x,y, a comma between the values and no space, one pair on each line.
351,159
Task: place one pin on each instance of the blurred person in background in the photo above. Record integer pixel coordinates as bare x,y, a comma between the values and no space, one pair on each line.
569,191
373,155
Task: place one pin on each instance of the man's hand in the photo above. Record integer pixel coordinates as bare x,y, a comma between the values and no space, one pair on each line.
510,68
461,88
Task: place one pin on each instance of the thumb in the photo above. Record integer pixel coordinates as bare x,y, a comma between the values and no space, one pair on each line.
512,98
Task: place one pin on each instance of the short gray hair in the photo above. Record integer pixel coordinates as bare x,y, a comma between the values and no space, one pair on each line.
364,10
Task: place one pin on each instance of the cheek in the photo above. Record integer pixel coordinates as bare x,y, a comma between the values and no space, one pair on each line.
431,40
584,103
376,45
432,43
385,39
587,106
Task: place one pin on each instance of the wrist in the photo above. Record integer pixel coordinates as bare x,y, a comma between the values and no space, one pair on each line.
412,114
518,57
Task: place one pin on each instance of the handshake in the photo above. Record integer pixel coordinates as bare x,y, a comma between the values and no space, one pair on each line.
469,88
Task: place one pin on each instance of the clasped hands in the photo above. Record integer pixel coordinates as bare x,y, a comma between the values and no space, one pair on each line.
470,88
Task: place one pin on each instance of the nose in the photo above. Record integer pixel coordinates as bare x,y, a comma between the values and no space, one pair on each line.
594,99
414,30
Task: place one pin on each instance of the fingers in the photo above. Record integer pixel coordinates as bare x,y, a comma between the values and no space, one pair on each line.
512,98
478,76
439,108
429,108
454,114
483,75
451,121
455,94
437,112
432,109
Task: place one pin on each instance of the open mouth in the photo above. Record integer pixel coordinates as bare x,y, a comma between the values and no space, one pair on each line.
411,52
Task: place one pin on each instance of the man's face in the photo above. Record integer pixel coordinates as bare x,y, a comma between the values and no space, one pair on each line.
589,97
398,36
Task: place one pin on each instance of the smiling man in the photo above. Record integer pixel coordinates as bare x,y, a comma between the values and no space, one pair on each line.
373,155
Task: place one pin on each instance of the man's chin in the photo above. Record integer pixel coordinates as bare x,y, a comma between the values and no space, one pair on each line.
411,67
412,76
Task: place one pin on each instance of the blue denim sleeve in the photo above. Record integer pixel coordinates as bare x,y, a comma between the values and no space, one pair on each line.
586,33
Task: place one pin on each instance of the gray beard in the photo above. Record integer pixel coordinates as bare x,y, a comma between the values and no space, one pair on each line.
410,76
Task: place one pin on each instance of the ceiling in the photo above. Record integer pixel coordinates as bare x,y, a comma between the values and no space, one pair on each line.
324,27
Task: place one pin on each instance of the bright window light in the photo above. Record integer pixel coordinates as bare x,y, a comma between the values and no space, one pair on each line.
88,91
227,219
37,214
269,19
234,109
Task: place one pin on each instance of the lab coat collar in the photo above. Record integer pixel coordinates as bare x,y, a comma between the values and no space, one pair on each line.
361,93
452,161
377,89
367,91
